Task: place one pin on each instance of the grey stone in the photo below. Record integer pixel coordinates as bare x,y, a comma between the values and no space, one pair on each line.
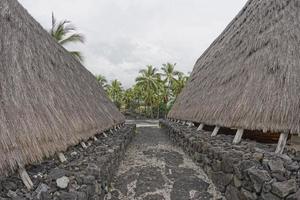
294,166
258,156
62,182
57,173
269,196
295,196
237,182
40,189
240,169
276,165
227,164
282,189
258,178
93,170
12,194
10,185
278,176
88,179
216,165
74,153
68,196
248,195
232,193
286,158
296,158
221,180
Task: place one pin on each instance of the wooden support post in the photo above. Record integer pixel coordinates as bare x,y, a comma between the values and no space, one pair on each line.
200,128
215,132
25,178
238,136
281,143
190,124
95,138
83,145
61,157
111,131
104,134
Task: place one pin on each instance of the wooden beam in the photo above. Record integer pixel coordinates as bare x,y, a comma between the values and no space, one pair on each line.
215,132
25,178
238,136
95,138
61,157
83,145
281,143
200,128
104,134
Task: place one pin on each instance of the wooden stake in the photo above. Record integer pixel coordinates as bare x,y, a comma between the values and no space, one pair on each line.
200,128
95,138
61,157
281,143
83,145
25,178
104,134
215,132
238,136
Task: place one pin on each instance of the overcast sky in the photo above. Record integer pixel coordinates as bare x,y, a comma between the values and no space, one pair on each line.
122,36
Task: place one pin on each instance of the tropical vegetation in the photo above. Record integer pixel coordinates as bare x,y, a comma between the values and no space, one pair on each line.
153,93
64,32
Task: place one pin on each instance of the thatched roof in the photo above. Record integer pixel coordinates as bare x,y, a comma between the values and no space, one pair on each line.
49,101
250,75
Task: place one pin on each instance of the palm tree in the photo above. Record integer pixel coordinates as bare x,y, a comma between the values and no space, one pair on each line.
128,98
65,33
179,83
115,92
148,80
169,74
102,80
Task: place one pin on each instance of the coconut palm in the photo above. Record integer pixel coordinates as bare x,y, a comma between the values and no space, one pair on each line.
148,80
169,74
115,92
102,80
179,83
65,33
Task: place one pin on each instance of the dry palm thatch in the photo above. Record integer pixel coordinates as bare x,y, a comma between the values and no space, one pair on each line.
49,101
250,75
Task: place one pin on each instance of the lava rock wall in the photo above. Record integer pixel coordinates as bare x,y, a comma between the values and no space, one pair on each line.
246,171
87,174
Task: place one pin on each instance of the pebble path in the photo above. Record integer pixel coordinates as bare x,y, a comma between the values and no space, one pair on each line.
155,169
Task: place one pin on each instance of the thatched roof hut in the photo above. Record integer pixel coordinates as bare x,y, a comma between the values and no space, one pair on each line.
49,101
249,77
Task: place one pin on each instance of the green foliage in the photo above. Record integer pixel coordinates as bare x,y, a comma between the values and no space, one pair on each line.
115,92
65,33
153,94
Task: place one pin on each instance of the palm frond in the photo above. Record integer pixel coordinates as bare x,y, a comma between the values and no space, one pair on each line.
73,38
78,55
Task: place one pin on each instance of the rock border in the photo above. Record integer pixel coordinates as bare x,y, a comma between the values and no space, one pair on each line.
246,171
87,174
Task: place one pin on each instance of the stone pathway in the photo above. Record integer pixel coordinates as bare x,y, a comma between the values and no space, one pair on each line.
154,169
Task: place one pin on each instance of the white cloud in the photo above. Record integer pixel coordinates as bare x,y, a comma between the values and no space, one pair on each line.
125,35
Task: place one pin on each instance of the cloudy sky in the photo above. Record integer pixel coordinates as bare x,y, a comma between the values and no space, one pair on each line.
123,36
